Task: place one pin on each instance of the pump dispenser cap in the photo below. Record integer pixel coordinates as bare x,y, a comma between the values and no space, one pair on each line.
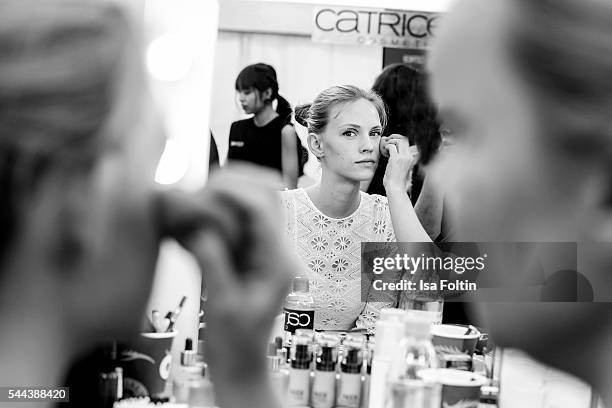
301,284
352,362
188,356
302,357
272,349
326,360
278,341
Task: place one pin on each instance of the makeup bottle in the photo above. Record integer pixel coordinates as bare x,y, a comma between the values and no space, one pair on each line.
349,386
279,375
298,393
298,309
110,378
309,336
388,335
324,384
281,352
365,384
201,341
108,390
201,394
180,384
404,387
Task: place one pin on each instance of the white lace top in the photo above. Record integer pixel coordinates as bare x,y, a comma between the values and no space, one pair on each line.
330,249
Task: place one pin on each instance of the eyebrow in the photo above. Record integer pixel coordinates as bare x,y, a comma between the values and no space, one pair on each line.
358,126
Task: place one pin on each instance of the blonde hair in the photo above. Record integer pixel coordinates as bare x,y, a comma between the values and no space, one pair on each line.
315,116
61,61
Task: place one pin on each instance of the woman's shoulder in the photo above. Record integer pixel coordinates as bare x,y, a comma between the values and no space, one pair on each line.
293,201
242,123
240,127
290,195
376,201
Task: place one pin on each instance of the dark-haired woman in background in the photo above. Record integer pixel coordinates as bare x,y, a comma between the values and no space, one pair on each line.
413,116
267,138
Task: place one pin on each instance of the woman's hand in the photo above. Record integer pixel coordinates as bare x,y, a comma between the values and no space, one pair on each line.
402,158
247,273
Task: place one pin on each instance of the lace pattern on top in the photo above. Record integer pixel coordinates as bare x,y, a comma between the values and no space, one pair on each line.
330,251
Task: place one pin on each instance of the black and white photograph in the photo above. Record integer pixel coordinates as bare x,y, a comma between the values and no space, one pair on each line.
306,203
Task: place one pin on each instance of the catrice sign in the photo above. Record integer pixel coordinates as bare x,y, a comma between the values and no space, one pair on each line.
387,28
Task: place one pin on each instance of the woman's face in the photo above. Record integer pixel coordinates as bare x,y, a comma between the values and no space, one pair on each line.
251,100
350,141
503,181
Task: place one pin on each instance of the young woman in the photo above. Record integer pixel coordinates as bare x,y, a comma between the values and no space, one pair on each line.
327,222
267,138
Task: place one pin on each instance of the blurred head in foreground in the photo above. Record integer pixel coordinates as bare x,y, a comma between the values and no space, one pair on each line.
79,144
525,88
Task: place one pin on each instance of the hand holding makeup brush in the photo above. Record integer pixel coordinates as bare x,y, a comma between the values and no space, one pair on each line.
247,271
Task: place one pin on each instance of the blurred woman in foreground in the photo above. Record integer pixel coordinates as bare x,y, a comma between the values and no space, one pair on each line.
81,222
528,101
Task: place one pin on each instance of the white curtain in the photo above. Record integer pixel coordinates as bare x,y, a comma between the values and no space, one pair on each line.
304,69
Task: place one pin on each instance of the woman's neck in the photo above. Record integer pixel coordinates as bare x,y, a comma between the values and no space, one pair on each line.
265,116
334,196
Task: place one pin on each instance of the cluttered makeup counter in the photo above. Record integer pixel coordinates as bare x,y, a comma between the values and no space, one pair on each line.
523,383
408,360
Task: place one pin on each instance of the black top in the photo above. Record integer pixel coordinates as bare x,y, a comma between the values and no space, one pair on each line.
213,157
376,184
259,145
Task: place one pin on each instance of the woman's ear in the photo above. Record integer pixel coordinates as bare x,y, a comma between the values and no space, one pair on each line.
266,95
315,144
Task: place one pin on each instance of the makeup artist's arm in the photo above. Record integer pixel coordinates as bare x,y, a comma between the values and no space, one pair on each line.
246,270
405,221
429,207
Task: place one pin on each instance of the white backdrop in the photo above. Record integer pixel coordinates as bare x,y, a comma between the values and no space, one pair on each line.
304,69
423,5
